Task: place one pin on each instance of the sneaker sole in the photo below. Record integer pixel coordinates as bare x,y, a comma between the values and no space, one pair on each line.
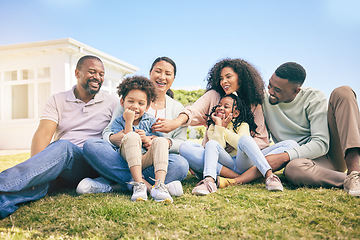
274,189
140,199
352,193
164,201
201,193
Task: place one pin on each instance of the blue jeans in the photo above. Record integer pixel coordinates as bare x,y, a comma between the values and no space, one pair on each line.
109,164
30,180
209,161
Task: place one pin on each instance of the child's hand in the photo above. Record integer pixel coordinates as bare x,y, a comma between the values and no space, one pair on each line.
227,120
146,140
129,115
141,133
216,119
147,143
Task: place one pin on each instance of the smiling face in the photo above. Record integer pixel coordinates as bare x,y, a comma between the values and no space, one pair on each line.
225,107
90,76
281,90
229,80
163,76
136,100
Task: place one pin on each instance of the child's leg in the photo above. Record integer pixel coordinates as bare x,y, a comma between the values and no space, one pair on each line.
194,154
249,154
248,146
130,150
157,155
212,168
214,154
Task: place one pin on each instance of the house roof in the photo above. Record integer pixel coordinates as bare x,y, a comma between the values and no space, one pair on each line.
66,44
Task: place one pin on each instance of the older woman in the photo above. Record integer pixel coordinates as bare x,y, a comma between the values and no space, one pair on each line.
110,165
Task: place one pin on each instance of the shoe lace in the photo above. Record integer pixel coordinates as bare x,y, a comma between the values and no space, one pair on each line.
207,184
160,186
273,178
356,178
138,186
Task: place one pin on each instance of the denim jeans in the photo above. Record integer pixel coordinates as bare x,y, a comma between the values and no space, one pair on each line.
209,161
109,164
30,180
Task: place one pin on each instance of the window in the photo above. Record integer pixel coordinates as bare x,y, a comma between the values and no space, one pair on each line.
25,93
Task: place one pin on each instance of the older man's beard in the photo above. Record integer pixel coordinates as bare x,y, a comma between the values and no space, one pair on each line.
88,89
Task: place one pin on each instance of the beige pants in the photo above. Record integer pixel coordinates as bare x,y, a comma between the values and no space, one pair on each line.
157,155
344,127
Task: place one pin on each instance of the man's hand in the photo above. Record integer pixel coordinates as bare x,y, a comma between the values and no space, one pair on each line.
116,138
278,161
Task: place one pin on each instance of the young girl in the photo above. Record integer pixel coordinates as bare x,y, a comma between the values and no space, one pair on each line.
230,144
139,146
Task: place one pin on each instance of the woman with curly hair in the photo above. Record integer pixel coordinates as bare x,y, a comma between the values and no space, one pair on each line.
227,76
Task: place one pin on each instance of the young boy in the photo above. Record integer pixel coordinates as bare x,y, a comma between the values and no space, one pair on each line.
139,146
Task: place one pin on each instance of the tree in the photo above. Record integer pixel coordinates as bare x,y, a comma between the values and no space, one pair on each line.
187,97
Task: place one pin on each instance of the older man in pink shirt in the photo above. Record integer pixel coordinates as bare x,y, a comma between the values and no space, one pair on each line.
70,117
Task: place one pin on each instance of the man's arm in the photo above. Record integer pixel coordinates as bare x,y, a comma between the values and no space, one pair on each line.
43,136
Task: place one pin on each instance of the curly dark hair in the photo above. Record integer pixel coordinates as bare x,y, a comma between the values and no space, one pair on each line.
139,83
245,115
251,84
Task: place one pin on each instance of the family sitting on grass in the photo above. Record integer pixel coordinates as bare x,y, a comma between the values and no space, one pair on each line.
140,144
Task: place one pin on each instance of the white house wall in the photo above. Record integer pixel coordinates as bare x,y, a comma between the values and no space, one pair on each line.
17,133
61,59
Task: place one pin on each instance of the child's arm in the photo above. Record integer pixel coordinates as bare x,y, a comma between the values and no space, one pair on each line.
232,137
128,116
217,131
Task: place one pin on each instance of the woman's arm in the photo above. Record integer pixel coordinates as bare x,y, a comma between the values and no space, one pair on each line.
194,115
168,125
262,138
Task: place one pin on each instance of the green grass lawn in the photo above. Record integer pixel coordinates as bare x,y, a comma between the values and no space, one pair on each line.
237,212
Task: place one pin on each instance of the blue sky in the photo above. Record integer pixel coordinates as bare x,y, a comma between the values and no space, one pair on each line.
321,35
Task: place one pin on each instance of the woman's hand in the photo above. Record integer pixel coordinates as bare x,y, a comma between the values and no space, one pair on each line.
168,125
165,125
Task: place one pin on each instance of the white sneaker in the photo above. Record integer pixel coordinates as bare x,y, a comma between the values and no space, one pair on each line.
97,185
160,193
352,184
139,191
175,188
273,183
